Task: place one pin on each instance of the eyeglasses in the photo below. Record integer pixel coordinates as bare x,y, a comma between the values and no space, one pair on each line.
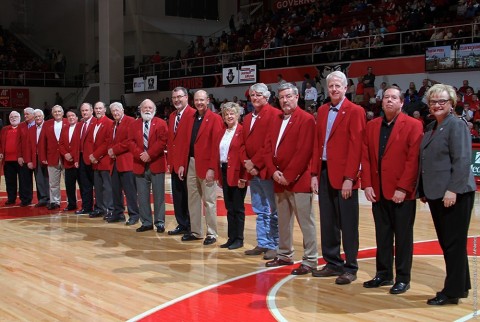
439,102
256,95
177,97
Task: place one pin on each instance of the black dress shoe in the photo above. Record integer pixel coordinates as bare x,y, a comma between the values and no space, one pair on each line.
53,206
464,295
96,213
228,243
70,208
301,270
143,228
82,211
189,237
113,219
131,222
40,204
9,203
377,281
25,204
277,262
399,288
442,299
209,240
178,231
236,244
160,228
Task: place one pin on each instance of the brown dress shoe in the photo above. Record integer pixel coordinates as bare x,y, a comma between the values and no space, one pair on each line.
256,251
325,272
277,262
301,270
270,254
345,278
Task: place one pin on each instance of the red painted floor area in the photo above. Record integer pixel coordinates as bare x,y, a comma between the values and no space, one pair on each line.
249,294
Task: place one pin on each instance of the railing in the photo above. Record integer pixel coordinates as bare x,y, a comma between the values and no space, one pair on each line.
32,78
410,42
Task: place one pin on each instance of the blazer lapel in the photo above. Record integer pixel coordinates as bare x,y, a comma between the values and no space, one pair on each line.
397,129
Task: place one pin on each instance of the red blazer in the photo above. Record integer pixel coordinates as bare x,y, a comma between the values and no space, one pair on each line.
178,144
399,161
120,144
294,152
100,144
344,145
204,148
157,143
70,146
255,138
86,141
235,169
22,141
48,146
30,155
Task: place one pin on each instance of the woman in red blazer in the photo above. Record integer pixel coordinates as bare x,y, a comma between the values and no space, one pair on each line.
233,179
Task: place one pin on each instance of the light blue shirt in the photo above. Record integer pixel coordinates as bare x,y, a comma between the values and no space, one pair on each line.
332,115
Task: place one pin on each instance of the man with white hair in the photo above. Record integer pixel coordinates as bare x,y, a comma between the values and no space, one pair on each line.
99,139
9,156
25,179
123,180
33,159
49,153
148,140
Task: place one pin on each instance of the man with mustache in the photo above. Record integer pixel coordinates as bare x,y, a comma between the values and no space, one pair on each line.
148,140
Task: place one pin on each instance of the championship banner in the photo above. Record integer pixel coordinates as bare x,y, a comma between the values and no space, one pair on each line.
151,83
439,58
138,84
247,74
4,97
19,98
230,76
468,56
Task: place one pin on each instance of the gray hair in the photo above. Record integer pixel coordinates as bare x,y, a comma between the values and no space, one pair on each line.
180,88
61,108
146,101
117,105
12,113
231,106
37,110
337,74
260,88
28,110
285,86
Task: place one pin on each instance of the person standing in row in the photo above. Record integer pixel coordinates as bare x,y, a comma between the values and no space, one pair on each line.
446,182
335,170
9,156
123,180
389,176
49,153
148,140
85,170
288,155
69,149
25,173
178,143
100,139
255,129
233,176
201,175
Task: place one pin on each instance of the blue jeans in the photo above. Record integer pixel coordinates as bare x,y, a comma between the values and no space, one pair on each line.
263,204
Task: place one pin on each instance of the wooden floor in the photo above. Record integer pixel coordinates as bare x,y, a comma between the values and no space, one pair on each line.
64,267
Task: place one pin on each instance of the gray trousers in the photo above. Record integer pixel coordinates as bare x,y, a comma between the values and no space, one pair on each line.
103,190
155,182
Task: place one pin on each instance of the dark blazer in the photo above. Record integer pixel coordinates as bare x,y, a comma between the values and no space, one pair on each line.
445,157
344,145
294,151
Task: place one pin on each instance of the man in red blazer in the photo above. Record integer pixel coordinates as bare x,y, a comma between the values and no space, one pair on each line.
288,154
148,140
25,183
69,150
255,129
123,180
100,139
179,132
49,153
33,159
85,170
389,174
335,168
201,175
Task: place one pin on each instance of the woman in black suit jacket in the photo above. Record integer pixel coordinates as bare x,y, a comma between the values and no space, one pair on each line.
447,184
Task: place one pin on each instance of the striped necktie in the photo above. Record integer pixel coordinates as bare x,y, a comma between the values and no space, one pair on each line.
145,136
177,121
